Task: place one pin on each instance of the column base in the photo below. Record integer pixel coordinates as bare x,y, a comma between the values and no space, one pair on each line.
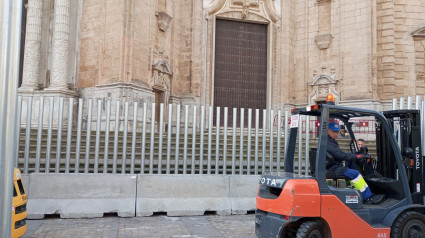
59,92
27,90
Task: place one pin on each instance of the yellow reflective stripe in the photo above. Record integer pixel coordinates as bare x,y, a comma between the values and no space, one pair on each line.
359,183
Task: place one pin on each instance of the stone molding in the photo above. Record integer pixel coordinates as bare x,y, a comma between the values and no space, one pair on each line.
419,32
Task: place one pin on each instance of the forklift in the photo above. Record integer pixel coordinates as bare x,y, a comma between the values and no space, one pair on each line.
292,205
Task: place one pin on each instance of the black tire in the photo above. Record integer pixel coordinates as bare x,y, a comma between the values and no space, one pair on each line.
409,225
311,229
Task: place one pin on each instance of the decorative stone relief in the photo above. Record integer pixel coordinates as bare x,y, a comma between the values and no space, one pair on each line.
161,76
246,5
323,84
323,41
263,8
163,21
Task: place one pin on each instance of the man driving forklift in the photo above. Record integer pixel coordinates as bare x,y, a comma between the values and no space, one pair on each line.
336,167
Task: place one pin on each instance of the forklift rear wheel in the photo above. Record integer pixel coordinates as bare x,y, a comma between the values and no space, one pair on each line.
409,224
311,229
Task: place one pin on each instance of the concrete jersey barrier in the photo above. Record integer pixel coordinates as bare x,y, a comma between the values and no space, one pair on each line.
93,195
81,195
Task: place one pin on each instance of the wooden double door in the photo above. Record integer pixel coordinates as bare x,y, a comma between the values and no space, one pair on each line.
240,72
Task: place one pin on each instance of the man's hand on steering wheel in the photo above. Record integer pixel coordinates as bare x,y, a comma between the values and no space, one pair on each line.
363,159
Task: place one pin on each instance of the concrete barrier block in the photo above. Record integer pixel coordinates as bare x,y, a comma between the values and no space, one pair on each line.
182,195
26,182
243,192
81,195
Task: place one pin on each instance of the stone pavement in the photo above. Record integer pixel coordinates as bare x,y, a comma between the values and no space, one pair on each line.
210,226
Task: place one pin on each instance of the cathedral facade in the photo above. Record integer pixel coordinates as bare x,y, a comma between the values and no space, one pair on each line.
261,54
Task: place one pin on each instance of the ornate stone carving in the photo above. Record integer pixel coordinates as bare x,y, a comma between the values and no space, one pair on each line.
163,21
246,5
323,84
323,41
263,8
162,73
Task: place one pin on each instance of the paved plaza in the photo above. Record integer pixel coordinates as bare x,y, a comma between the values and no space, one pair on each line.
161,226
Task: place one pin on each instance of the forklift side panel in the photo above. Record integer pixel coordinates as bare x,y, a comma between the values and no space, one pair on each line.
343,222
299,197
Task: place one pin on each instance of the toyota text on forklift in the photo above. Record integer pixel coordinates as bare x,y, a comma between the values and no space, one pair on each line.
320,204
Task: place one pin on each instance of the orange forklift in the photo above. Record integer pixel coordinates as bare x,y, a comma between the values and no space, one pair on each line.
289,204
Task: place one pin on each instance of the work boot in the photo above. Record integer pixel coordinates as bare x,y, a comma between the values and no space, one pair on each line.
375,199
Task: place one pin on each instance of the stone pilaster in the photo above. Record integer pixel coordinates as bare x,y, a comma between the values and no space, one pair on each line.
60,49
32,46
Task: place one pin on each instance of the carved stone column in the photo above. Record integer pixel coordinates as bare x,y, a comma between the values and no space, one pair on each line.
60,49
32,46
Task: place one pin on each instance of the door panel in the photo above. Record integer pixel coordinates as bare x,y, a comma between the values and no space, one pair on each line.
240,76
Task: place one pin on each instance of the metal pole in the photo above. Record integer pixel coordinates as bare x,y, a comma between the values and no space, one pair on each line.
69,135
210,123
117,126
257,118
161,134
234,140
271,149
97,143
186,123
217,140
201,143
49,135
192,167
409,102
133,138
170,114
39,133
279,131
248,146
124,143
225,140
241,130
11,12
106,149
307,144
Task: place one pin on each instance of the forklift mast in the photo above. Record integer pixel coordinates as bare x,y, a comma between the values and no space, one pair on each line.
408,134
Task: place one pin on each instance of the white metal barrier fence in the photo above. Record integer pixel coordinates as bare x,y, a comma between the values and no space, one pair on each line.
61,135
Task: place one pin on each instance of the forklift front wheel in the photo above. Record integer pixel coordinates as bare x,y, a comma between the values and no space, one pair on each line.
311,229
409,224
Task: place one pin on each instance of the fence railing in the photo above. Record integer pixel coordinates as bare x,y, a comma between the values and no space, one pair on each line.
63,135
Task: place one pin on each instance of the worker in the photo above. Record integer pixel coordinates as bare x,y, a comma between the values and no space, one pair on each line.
364,163
337,167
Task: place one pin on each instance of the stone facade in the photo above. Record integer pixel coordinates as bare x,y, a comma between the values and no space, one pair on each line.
364,52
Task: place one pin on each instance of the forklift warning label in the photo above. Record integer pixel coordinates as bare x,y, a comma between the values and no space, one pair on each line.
351,199
294,121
